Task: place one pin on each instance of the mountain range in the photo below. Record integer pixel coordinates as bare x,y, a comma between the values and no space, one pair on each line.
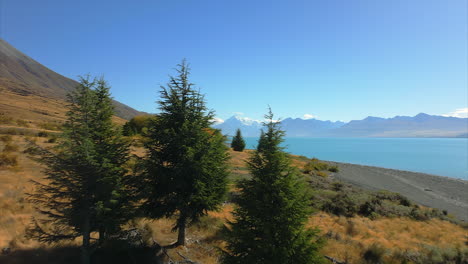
421,125
25,83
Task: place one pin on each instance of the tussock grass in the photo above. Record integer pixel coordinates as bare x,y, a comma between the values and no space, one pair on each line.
348,237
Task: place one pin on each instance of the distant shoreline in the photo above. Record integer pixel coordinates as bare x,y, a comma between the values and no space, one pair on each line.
434,191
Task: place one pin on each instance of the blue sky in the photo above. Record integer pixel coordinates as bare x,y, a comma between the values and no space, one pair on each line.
333,59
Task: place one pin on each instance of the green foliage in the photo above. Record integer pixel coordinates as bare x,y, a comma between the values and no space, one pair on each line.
333,169
318,168
344,199
85,189
238,143
138,125
272,209
374,254
341,204
187,162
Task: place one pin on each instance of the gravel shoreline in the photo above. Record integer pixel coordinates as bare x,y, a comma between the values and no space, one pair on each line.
429,190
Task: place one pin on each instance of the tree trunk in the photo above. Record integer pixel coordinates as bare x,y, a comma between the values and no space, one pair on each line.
102,235
85,247
181,236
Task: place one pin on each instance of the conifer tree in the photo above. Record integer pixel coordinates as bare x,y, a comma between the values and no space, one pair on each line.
238,143
272,210
84,190
186,170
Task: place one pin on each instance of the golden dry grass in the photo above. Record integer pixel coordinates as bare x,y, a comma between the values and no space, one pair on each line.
34,110
349,237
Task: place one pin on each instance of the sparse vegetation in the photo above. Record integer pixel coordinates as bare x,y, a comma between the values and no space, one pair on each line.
22,123
361,226
10,148
4,119
8,160
50,126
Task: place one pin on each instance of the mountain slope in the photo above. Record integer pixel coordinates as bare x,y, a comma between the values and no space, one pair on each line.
421,125
249,127
23,76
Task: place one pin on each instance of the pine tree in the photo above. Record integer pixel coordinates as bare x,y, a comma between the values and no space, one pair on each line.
84,190
113,203
187,170
272,210
238,143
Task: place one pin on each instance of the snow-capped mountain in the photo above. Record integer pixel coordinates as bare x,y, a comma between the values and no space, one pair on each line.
248,126
421,125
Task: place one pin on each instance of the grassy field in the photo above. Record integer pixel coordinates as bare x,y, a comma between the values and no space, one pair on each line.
349,237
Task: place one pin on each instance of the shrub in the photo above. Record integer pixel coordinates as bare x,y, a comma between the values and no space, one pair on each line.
315,165
5,119
321,174
22,123
10,148
374,254
52,139
333,169
5,138
50,126
370,208
8,160
42,134
341,204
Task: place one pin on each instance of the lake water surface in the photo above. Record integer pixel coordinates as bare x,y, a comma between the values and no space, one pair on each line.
439,156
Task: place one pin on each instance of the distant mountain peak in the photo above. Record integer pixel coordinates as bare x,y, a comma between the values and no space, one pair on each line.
421,125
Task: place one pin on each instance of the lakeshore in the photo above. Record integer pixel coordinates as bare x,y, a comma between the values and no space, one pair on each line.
425,189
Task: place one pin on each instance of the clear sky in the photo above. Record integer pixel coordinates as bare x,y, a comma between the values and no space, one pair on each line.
334,59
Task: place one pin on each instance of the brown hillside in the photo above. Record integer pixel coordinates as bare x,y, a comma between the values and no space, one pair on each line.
25,77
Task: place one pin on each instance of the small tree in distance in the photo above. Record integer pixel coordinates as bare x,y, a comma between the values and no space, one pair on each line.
238,143
272,209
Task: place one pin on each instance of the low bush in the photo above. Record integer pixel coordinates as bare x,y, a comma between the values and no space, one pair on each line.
315,165
6,138
5,119
10,148
42,134
50,125
321,174
374,254
333,169
341,204
8,160
52,139
22,123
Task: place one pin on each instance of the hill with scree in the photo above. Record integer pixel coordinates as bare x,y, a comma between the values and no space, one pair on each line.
29,90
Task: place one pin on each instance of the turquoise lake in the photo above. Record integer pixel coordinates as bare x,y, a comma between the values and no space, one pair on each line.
439,156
